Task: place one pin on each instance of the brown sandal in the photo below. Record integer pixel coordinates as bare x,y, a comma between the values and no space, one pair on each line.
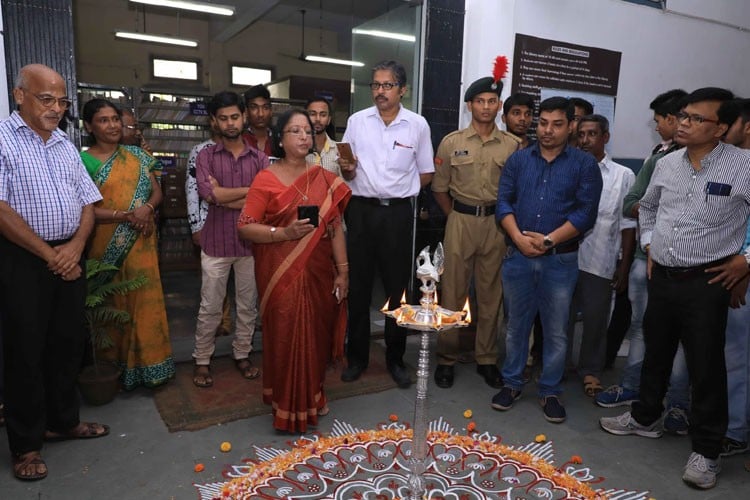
84,430
29,462
246,368
592,386
202,376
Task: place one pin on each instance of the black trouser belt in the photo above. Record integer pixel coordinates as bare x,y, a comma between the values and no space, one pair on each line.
682,273
563,248
382,202
479,211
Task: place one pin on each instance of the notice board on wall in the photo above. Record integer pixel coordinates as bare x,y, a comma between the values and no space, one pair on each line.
546,68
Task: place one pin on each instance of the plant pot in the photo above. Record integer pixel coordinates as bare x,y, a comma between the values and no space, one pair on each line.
100,383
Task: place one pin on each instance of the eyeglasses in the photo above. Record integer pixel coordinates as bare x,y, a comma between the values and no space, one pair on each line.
299,131
694,118
384,86
48,101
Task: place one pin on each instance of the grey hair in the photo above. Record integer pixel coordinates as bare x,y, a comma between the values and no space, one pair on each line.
394,67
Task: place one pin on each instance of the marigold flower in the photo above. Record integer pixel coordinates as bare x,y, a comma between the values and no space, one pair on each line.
468,413
576,459
540,438
225,446
199,467
471,427
393,417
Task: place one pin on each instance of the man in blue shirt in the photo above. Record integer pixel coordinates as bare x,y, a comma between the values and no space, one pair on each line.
547,199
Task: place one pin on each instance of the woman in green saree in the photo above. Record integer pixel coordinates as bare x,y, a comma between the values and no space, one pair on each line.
124,236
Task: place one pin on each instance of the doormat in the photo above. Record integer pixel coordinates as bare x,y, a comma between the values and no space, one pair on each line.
185,407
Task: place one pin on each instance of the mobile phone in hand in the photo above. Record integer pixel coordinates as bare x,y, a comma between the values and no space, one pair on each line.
345,151
308,212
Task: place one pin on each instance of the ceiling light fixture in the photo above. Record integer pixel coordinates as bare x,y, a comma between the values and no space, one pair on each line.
207,8
144,37
333,60
385,34
322,59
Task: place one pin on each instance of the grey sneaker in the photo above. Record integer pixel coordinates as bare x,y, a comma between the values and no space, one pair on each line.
700,472
625,424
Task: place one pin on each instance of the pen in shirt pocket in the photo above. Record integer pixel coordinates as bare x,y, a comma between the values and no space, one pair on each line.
396,143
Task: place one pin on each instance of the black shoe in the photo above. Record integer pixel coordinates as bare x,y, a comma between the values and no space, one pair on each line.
444,376
352,373
399,375
491,375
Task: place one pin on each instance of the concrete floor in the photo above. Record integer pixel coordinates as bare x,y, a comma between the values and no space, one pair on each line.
141,460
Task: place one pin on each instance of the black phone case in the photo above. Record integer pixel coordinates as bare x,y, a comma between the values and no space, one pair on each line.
308,212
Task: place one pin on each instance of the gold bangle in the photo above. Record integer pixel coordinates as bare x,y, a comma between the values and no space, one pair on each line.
149,205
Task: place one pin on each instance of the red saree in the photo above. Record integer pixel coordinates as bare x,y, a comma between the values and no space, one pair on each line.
303,327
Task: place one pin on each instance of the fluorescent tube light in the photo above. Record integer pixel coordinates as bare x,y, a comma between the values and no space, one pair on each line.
144,37
332,60
208,8
385,34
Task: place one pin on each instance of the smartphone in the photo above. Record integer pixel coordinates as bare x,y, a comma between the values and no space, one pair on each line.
308,212
345,151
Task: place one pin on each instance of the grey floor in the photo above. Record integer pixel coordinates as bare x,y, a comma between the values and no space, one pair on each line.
141,459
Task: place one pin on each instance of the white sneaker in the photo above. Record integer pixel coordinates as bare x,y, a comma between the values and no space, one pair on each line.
625,424
700,471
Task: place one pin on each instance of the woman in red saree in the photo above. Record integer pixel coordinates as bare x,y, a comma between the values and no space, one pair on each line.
301,272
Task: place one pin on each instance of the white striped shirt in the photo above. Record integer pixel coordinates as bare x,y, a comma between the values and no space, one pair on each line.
601,246
44,182
695,217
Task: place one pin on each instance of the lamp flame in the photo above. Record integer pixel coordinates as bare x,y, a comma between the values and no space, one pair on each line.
403,298
386,306
467,311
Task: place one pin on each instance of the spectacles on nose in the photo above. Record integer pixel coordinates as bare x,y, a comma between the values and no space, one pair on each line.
299,131
698,119
48,101
384,86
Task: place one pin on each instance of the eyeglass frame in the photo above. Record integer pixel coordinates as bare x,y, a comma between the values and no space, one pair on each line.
298,133
694,118
63,102
385,86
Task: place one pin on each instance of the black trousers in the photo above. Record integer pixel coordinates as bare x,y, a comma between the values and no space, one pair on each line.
378,237
690,310
43,341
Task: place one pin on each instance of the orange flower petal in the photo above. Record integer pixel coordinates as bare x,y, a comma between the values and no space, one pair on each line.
199,467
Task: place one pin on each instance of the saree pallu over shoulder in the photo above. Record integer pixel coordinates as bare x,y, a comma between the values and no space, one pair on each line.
142,349
303,326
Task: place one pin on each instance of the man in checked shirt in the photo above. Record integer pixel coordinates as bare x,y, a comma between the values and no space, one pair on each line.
693,221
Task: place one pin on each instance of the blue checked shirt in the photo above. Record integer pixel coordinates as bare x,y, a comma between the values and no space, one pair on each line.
543,195
45,183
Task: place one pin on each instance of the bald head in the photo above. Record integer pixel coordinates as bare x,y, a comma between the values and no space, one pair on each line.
41,97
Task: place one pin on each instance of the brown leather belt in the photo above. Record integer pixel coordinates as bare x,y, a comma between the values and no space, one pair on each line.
478,211
563,248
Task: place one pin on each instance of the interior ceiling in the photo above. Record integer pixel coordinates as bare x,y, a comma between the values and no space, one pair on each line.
330,15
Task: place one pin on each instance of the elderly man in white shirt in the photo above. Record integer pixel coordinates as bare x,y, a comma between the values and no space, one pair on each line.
392,160
599,272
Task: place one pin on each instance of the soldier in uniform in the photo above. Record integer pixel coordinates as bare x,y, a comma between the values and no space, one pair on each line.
467,173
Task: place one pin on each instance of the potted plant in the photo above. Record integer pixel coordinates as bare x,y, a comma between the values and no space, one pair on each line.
99,382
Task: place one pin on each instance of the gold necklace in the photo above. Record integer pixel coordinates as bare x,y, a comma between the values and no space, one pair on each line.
307,187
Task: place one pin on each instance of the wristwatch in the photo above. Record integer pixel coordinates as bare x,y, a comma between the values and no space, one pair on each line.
547,242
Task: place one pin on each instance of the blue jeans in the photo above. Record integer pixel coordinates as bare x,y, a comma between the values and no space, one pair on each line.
544,284
678,393
737,354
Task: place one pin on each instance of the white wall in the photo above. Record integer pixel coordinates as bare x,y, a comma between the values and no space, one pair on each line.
660,51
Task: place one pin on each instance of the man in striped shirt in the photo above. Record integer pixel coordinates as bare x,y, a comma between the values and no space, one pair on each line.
693,221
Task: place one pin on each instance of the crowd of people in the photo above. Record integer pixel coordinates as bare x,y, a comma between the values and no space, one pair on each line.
542,226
